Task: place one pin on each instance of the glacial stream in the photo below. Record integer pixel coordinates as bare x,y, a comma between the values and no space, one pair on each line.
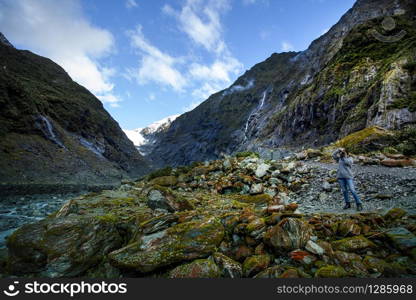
19,210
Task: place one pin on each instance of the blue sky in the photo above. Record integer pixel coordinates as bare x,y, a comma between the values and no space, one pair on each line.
148,59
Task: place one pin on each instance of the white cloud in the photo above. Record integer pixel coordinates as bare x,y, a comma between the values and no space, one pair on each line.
60,31
155,65
201,21
286,46
219,71
131,4
111,99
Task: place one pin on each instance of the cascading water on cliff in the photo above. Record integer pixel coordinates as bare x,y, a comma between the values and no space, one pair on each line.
254,114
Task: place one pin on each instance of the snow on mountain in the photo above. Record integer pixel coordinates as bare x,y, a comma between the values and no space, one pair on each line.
143,136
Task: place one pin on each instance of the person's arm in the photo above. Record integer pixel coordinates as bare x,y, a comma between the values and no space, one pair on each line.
348,161
335,155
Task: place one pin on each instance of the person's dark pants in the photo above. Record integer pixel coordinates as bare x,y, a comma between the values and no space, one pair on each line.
348,185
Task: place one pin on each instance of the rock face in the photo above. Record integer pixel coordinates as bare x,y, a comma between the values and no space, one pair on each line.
345,81
54,132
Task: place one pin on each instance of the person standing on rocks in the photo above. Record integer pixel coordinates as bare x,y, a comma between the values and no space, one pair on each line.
346,178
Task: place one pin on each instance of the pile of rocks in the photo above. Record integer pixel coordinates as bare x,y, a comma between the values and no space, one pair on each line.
234,217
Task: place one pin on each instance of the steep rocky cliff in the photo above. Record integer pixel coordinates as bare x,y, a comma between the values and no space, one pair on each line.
360,73
54,134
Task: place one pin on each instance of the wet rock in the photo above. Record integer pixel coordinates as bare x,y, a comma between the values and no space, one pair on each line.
182,242
353,244
402,238
61,247
254,264
200,268
331,272
289,234
229,268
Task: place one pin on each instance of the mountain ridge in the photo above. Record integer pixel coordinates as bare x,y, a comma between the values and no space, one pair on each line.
219,124
54,132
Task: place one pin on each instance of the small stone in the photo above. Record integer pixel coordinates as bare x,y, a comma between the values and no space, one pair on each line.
314,248
326,186
255,264
262,170
256,188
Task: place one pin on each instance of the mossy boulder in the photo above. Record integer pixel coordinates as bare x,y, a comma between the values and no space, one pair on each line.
402,238
182,242
348,228
255,264
257,199
61,247
366,140
200,268
331,272
159,197
394,214
165,181
282,272
353,244
374,264
229,267
289,234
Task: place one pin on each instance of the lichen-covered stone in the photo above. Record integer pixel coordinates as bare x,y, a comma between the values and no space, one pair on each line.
349,228
282,272
255,264
394,214
353,244
229,268
289,234
164,198
374,264
165,181
331,272
402,238
61,247
262,198
182,242
200,268
303,257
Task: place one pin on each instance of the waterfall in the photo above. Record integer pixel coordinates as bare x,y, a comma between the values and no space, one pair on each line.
97,150
47,128
254,114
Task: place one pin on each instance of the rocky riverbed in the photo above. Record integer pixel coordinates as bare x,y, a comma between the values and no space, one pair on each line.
236,217
16,211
